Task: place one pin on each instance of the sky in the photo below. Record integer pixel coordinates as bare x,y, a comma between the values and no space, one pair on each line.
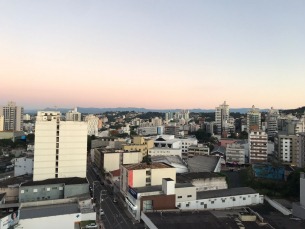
153,54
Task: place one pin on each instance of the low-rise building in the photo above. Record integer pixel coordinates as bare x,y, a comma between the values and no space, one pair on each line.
165,152
195,150
23,165
174,161
204,164
226,141
139,144
235,154
12,134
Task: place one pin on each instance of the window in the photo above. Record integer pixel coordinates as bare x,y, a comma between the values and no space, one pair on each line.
212,202
187,205
42,198
189,196
179,205
179,197
22,191
201,203
48,189
35,190
61,188
233,198
223,200
38,198
54,188
244,198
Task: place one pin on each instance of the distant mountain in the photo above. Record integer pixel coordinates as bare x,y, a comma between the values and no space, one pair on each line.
102,110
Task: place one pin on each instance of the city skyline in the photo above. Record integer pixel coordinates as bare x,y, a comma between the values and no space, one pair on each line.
157,55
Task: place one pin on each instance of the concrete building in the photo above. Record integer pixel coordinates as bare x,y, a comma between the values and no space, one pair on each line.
298,208
13,116
111,159
26,117
158,151
185,143
104,142
253,120
272,125
23,165
173,161
286,147
195,150
60,147
1,122
172,130
258,140
222,116
301,150
185,114
169,116
156,121
139,144
11,134
92,123
152,130
226,141
73,115
204,164
235,154
142,175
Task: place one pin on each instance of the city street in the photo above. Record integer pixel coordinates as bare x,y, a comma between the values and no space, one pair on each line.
114,217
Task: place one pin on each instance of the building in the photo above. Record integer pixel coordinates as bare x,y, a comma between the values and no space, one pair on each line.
222,116
185,143
226,141
100,124
272,125
26,117
52,189
298,208
1,122
23,165
301,148
143,175
103,142
253,120
185,114
195,150
111,159
173,161
286,147
139,144
152,130
73,115
204,164
92,122
203,181
172,130
60,147
258,140
158,151
13,135
169,116
156,121
13,116
235,154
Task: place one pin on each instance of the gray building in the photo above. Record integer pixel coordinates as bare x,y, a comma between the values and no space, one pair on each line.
102,142
298,209
52,189
272,125
13,116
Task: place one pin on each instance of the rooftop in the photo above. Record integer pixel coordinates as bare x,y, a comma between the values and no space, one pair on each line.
116,173
187,177
15,181
147,166
225,192
158,188
202,163
66,181
48,210
220,149
167,159
109,150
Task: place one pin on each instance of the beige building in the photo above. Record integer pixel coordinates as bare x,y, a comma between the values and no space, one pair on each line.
60,147
1,122
195,150
286,148
13,116
142,175
92,122
73,115
258,140
139,144
111,159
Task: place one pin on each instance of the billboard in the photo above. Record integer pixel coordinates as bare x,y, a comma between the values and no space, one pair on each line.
10,221
133,192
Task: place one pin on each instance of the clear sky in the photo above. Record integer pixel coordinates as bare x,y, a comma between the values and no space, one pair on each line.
153,54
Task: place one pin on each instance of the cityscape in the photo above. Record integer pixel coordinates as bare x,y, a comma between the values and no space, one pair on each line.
152,114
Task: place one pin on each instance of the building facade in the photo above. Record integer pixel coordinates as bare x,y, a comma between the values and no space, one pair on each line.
253,120
73,115
60,147
23,165
301,149
272,125
235,154
286,147
195,150
92,122
258,140
13,117
26,117
222,115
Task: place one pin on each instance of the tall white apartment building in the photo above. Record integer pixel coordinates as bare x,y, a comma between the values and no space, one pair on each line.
272,117
258,140
185,114
73,115
253,119
222,116
26,117
13,116
1,122
92,122
60,147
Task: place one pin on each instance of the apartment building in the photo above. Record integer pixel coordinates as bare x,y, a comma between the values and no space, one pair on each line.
92,122
301,150
286,147
253,120
185,144
12,117
26,117
142,175
169,116
156,121
60,147
222,116
1,122
195,150
172,130
235,154
185,114
272,122
111,159
73,115
139,144
258,140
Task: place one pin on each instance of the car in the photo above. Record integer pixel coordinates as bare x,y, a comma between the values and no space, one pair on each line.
91,225
102,212
114,200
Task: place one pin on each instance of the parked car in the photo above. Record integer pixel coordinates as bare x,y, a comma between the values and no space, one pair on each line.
114,200
102,212
91,225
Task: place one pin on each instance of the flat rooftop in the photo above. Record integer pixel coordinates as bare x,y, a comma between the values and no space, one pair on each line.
187,177
140,166
67,181
16,181
109,150
158,188
48,210
225,192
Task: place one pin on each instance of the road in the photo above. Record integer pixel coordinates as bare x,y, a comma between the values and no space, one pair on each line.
114,217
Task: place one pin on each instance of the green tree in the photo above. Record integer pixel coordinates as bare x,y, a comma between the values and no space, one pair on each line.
133,133
146,159
243,135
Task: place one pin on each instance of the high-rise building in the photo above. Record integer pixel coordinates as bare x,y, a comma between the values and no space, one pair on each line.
60,147
13,116
1,122
92,122
285,147
253,120
258,146
156,121
185,114
301,150
272,117
26,117
73,115
169,116
222,116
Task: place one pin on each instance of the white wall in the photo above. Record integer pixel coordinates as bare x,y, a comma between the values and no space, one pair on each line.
23,166
165,152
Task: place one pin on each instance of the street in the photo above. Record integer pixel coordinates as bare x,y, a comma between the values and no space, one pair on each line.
114,217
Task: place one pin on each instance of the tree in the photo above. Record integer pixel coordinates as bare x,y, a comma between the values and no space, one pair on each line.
243,135
133,133
146,159
123,135
114,133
